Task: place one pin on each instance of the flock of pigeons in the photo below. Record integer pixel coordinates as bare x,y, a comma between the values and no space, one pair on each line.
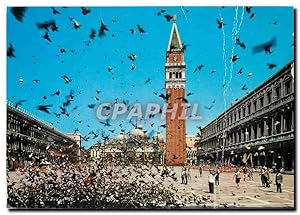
100,186
65,109
104,186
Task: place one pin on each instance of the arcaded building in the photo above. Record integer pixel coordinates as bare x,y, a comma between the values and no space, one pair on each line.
191,149
31,139
258,130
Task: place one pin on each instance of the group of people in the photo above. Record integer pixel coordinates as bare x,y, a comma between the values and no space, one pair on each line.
265,177
245,172
266,180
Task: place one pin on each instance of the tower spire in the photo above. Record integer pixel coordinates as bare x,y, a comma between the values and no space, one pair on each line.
174,41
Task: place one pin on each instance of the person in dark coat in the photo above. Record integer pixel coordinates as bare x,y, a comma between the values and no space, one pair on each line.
278,181
267,177
211,181
184,175
200,170
262,176
217,176
237,176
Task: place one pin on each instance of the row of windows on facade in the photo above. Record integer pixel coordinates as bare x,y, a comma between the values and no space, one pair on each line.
22,126
253,106
19,145
28,147
191,153
257,130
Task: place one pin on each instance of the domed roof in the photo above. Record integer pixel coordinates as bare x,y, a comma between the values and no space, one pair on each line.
159,136
122,135
138,131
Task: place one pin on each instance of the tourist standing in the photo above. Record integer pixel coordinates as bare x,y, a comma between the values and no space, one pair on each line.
267,177
217,176
211,181
262,176
279,181
200,170
184,175
237,176
189,172
251,174
245,170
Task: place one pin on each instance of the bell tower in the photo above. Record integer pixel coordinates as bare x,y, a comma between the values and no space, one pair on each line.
175,89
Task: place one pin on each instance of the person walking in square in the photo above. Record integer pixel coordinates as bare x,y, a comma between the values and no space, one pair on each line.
200,170
279,181
237,176
189,173
250,175
211,181
217,176
184,175
262,176
245,170
267,177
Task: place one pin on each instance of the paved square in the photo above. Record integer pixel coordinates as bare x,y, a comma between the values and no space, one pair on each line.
250,194
195,195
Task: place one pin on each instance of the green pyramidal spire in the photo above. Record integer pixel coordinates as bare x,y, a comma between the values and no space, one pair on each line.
174,41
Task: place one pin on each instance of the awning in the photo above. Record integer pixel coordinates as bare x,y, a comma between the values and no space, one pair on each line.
261,148
57,153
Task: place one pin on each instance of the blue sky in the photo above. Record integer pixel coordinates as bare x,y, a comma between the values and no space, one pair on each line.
36,58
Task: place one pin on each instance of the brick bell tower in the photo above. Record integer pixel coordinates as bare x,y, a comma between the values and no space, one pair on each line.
175,89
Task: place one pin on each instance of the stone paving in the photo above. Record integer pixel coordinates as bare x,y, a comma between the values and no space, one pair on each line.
250,194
